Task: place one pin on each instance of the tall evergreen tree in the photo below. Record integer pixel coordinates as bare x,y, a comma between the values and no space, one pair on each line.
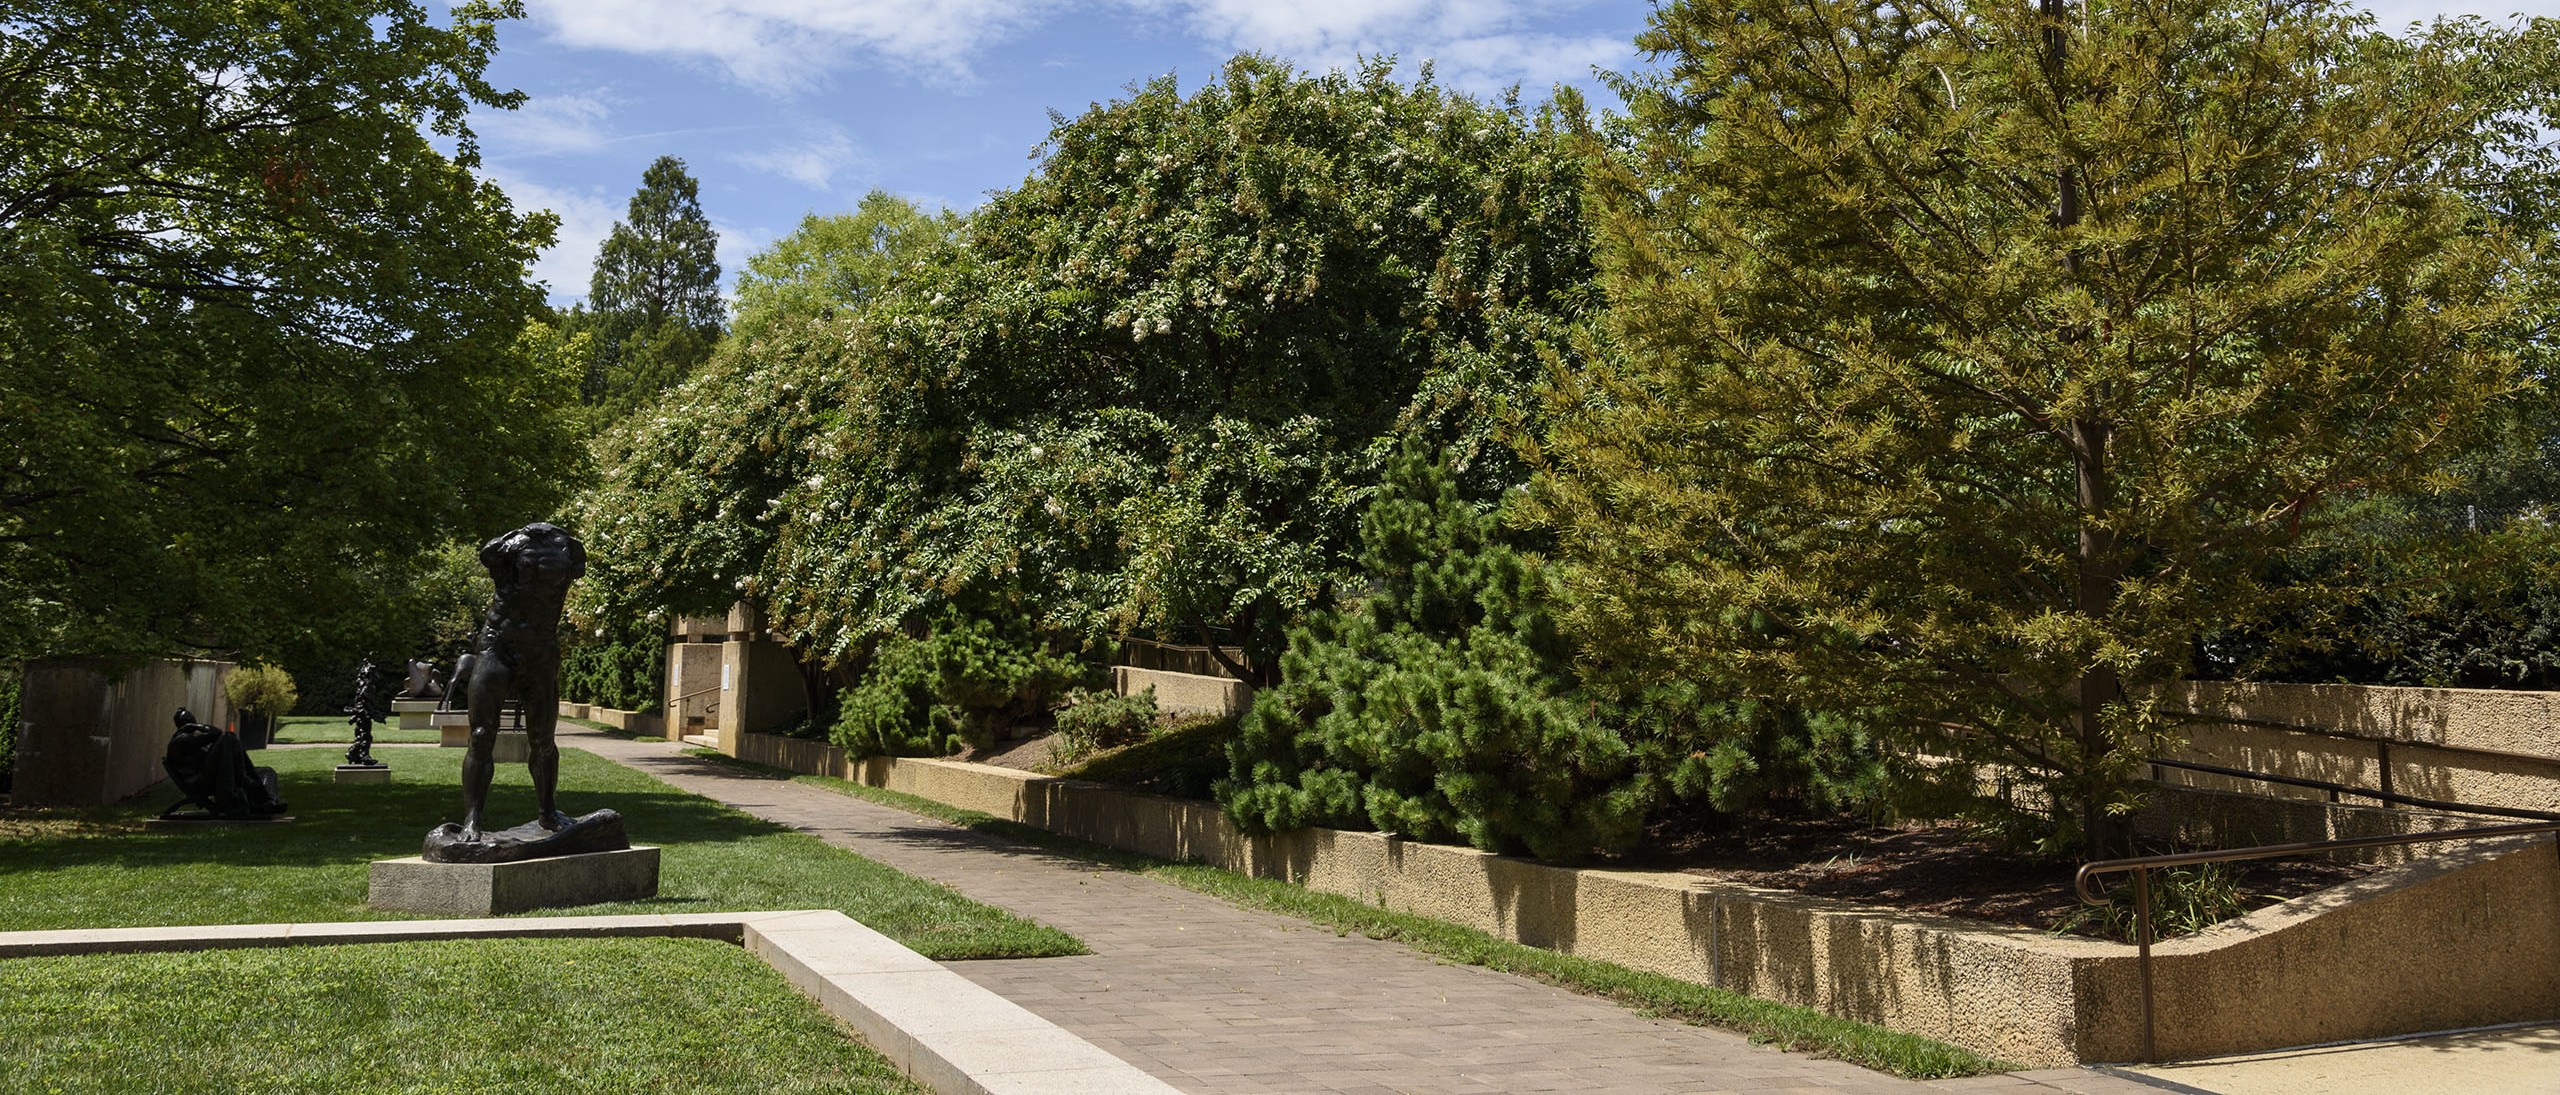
654,300
1975,357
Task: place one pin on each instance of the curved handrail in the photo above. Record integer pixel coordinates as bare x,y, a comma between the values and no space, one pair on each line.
2141,866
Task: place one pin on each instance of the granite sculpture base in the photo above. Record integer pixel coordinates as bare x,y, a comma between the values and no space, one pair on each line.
495,889
512,746
364,773
415,714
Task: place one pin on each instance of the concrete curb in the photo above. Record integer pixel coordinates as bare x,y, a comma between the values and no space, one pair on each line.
941,1028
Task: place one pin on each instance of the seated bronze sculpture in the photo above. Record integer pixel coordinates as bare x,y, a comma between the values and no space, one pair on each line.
211,768
424,683
516,659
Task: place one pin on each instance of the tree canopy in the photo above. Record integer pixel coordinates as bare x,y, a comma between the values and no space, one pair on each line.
1148,390
257,334
1972,360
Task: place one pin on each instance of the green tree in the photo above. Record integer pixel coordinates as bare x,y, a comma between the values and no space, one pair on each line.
842,261
654,299
1973,359
257,335
1154,389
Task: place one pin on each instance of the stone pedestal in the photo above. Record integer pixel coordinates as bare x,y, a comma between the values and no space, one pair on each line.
360,773
412,884
415,714
453,730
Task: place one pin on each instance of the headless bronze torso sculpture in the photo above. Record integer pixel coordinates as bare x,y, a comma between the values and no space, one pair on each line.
518,658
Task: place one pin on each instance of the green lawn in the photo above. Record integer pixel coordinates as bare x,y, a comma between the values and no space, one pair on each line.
300,729
501,1015
101,868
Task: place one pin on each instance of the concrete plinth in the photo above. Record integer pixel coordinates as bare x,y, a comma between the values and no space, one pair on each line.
359,773
491,889
453,731
415,714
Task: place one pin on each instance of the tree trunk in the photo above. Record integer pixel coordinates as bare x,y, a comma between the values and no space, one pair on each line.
2094,594
2094,598
1218,654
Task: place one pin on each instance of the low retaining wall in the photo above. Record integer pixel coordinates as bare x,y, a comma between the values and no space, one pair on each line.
1184,693
2464,938
2489,747
89,736
641,723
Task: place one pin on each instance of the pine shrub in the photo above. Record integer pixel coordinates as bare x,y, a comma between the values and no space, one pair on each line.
956,687
1441,706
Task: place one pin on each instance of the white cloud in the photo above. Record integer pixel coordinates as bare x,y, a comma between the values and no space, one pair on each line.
1479,46
813,160
547,125
586,218
1536,62
782,46
737,242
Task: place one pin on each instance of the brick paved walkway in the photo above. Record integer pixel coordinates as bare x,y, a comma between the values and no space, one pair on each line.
1215,999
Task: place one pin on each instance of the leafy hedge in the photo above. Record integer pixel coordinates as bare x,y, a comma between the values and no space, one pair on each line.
2442,608
11,679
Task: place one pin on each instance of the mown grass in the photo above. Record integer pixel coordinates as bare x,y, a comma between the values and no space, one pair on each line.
306,729
102,868
1788,1027
501,1015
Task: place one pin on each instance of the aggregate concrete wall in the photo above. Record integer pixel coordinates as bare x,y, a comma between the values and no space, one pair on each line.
88,736
762,689
693,687
1184,693
2463,938
2276,728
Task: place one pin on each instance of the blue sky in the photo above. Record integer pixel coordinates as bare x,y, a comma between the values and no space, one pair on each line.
787,107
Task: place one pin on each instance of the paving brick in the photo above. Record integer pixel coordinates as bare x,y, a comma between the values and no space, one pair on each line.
1216,999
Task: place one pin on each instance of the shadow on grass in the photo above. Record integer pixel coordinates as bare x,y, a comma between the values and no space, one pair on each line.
357,823
103,868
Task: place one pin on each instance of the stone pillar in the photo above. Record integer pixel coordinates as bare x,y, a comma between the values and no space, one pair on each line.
764,692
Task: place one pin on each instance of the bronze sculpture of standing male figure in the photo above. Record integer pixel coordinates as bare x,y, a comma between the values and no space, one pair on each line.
518,658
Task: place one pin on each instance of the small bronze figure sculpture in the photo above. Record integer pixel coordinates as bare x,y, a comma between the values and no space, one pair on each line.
516,658
360,715
457,688
213,771
423,684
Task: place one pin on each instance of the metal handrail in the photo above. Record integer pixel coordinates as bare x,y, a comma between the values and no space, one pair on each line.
692,694
2141,866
